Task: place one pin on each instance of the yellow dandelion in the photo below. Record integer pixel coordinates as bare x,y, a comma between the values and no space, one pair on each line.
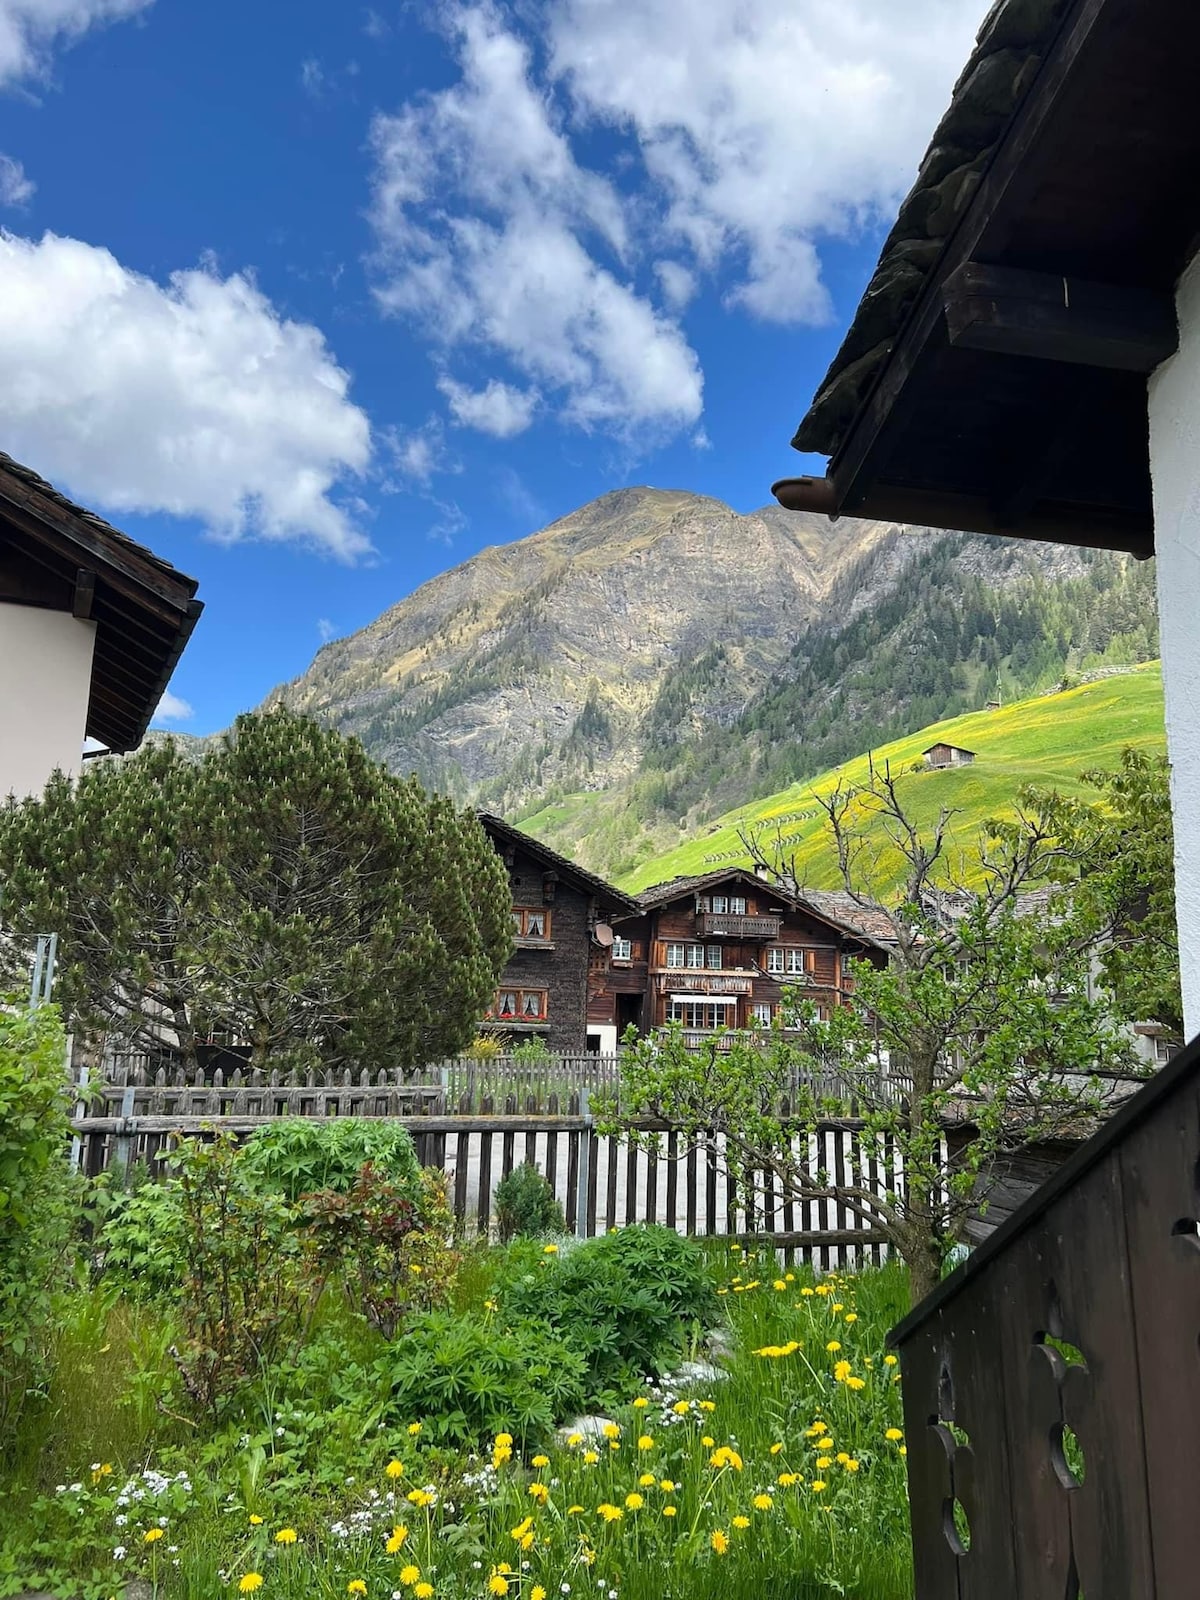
356,1586
841,1371
590,1458
668,1486
634,1502
255,1520
497,1584
719,1541
838,1307
640,1403
414,1429
574,1440
787,1480
286,1536
409,1574
398,1535
541,1461
852,1316
419,1497
681,1407
707,1405
725,1457
890,1360
612,1430
645,1442
647,1480
521,1529
833,1346
670,1511
574,1511
395,1469
842,1457
762,1502
539,1492
807,1293
154,1535
423,1590
825,1444
856,1384
903,1450
852,1465
823,1462
779,1286
610,1513
776,1448
818,1485
893,1435
249,1582
741,1522
549,1249
708,1442
537,1592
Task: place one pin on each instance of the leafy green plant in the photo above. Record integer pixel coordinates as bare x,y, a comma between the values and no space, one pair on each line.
244,1293
388,1251
298,1155
525,1204
532,1053
35,1188
141,1245
465,1377
625,1301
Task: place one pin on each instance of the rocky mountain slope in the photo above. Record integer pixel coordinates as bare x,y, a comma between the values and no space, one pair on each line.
655,657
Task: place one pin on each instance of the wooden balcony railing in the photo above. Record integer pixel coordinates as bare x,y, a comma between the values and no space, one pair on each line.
1052,1383
716,925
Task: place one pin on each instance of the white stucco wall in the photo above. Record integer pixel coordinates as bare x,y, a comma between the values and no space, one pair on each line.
45,679
1175,465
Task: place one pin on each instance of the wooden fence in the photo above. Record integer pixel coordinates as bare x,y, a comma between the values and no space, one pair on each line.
601,1182
1052,1383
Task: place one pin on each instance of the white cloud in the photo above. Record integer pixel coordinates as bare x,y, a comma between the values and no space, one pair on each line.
493,236
498,408
326,630
678,284
312,77
15,188
171,708
194,397
30,29
419,454
764,128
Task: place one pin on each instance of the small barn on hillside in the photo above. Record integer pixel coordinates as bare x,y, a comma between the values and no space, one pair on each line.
947,755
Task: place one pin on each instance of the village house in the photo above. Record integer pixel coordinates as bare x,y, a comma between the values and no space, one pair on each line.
91,627
563,920
717,951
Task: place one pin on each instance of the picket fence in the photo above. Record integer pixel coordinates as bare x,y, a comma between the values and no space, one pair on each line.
128,1112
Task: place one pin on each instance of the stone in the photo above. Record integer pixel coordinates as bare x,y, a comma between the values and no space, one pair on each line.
695,1373
592,1428
721,1343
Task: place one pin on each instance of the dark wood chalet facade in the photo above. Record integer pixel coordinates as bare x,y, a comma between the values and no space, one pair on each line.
717,951
563,919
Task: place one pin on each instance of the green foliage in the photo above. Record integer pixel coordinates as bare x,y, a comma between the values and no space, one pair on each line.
283,890
628,1302
141,1246
465,1377
525,1204
297,1155
35,1212
385,1243
1121,866
243,1293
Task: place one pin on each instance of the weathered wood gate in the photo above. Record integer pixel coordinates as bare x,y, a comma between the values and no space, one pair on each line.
1052,1383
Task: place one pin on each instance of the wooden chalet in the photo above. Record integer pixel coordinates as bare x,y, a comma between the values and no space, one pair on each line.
947,755
717,951
563,920
91,627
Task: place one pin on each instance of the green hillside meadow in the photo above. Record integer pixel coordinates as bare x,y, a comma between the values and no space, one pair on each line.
1048,741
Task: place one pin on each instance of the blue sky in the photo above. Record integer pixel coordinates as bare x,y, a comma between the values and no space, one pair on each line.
319,300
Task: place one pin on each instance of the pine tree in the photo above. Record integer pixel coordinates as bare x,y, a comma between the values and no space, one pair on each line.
284,894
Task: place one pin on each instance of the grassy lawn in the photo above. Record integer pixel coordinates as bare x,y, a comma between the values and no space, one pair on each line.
1047,741
312,1482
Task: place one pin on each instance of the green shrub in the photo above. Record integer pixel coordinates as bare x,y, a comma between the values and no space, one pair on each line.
298,1155
525,1204
389,1251
627,1302
35,1190
464,1379
142,1244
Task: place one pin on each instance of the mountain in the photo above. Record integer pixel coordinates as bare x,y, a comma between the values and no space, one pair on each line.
1046,741
655,658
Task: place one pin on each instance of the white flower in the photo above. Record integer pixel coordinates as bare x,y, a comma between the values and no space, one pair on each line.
120,1520
119,1553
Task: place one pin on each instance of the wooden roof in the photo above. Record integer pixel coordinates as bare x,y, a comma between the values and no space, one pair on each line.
609,898
994,378
842,911
57,554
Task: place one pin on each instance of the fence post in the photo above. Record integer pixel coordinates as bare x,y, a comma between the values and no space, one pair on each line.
124,1142
585,1165
81,1110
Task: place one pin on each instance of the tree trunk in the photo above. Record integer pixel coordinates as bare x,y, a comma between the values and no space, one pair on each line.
924,1262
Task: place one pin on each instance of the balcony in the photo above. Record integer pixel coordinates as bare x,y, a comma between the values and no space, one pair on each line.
721,925
704,980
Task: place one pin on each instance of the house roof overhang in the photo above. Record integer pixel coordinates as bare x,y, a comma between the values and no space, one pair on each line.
610,900
59,556
995,377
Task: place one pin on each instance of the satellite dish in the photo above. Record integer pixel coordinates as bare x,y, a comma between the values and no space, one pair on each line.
603,934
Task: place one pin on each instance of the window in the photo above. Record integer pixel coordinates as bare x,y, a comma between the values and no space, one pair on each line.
720,904
737,905
712,956
531,923
695,955
795,962
774,960
622,949
700,1014
847,964
520,1005
1164,1050
788,961
760,1015
676,955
